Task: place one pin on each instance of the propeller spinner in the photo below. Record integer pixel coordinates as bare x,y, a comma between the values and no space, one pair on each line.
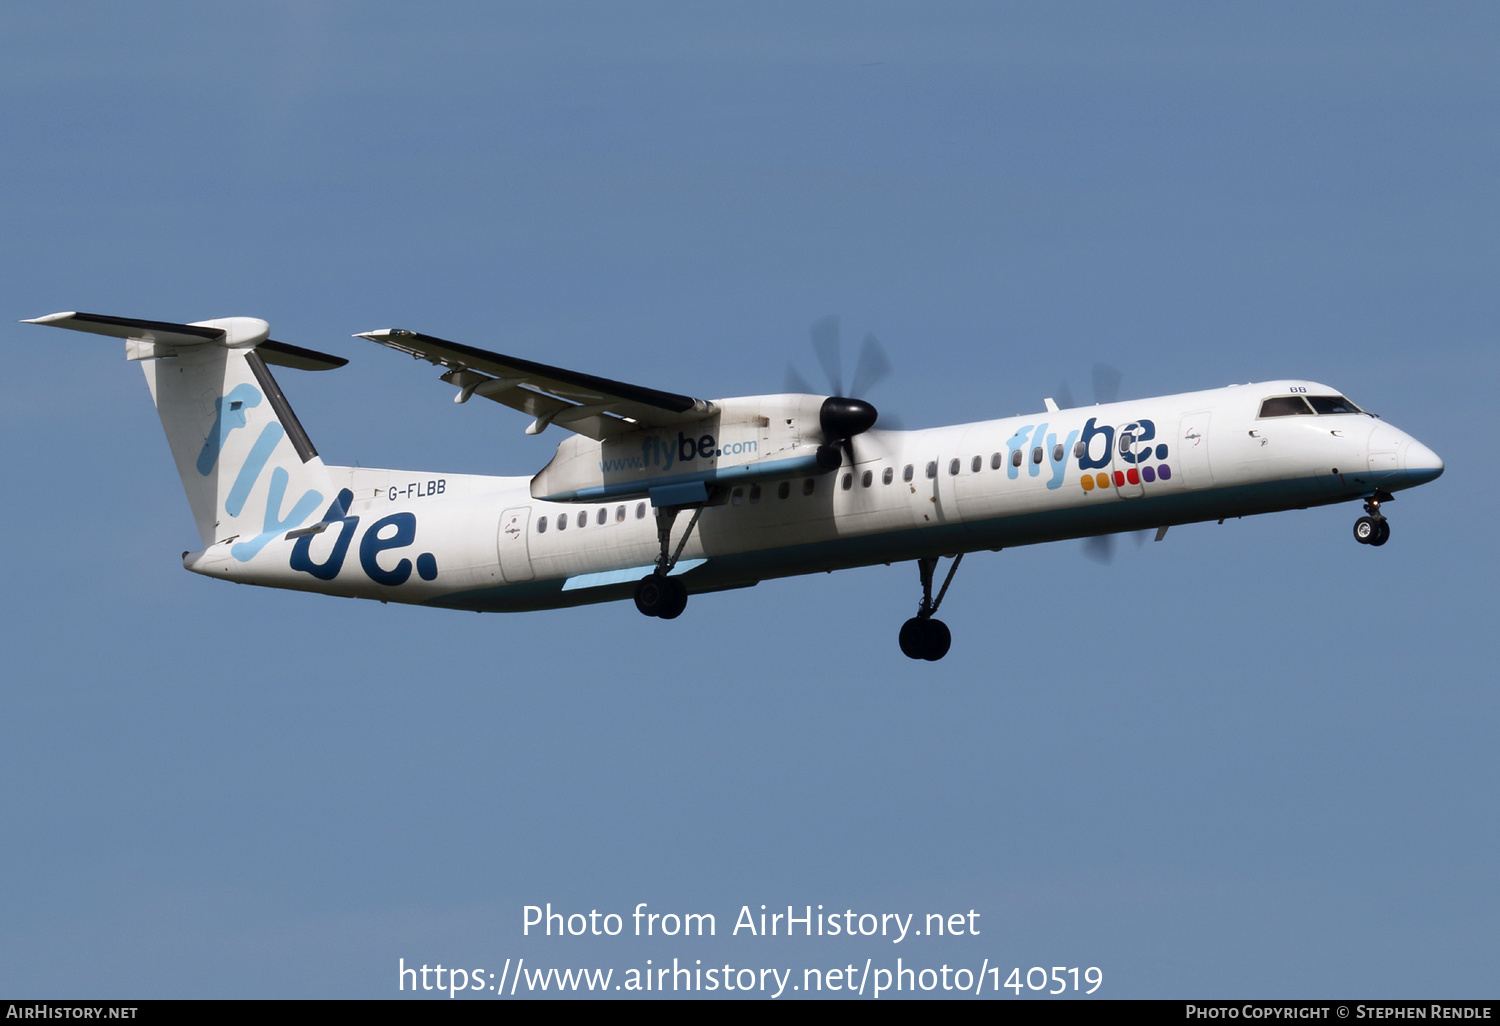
842,417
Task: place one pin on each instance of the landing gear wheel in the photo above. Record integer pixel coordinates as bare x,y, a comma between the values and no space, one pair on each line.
674,599
1367,529
649,593
911,637
665,597
925,638
939,639
1382,532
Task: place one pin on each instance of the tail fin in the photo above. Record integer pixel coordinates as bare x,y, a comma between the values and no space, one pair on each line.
247,465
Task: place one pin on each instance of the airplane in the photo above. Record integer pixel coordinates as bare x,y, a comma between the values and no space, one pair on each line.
656,496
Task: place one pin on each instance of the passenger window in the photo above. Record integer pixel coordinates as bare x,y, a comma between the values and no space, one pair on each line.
1036,454
1080,449
583,518
978,463
755,493
866,479
562,522
847,483
640,511
952,467
541,525
908,473
1016,456
808,484
1284,406
603,516
619,514
932,469
888,476
737,496
783,490
1057,453
995,461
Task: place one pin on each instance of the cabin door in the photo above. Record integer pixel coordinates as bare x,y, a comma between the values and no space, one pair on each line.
1192,451
513,541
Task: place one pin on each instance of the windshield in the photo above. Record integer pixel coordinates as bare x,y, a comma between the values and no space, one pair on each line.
1284,406
1332,404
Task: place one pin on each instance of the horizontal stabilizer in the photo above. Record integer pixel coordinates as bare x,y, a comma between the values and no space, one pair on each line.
232,332
161,332
285,355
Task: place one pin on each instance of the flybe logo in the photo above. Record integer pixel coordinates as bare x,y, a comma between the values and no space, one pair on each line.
230,416
1134,451
663,453
396,531
1042,451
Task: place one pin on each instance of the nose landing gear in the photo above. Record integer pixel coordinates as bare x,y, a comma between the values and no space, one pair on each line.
1373,528
923,637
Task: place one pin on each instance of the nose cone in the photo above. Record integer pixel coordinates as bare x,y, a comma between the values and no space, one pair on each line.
1421,463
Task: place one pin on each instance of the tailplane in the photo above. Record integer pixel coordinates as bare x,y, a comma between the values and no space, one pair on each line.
248,467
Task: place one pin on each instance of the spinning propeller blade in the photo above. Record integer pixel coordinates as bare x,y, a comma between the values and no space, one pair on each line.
874,366
1106,383
825,343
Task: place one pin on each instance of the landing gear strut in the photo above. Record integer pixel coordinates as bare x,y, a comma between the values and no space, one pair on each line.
923,637
656,594
1373,528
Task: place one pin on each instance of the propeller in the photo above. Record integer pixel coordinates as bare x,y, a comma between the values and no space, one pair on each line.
1101,547
1106,387
842,416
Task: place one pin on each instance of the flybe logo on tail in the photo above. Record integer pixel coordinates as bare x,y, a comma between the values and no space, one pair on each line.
229,413
229,416
396,531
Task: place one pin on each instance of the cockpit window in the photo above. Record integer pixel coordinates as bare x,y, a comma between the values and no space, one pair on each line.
1332,404
1284,406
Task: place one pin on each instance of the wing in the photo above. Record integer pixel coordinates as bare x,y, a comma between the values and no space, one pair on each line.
589,405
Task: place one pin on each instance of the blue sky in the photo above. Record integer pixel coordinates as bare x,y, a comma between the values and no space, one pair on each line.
1254,759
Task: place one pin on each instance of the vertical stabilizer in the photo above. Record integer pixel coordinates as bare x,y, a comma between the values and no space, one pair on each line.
249,469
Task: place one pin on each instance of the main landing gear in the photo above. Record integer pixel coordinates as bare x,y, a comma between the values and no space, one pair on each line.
923,637
656,594
1373,528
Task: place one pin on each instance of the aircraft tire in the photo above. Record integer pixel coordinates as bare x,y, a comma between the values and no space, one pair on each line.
911,637
649,593
1366,530
674,599
936,640
925,639
1382,532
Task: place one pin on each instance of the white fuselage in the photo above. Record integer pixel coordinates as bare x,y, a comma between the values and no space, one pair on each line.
484,543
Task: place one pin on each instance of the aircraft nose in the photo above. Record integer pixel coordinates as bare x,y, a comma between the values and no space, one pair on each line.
1421,463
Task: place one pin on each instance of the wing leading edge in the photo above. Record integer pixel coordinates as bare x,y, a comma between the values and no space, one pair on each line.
584,403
